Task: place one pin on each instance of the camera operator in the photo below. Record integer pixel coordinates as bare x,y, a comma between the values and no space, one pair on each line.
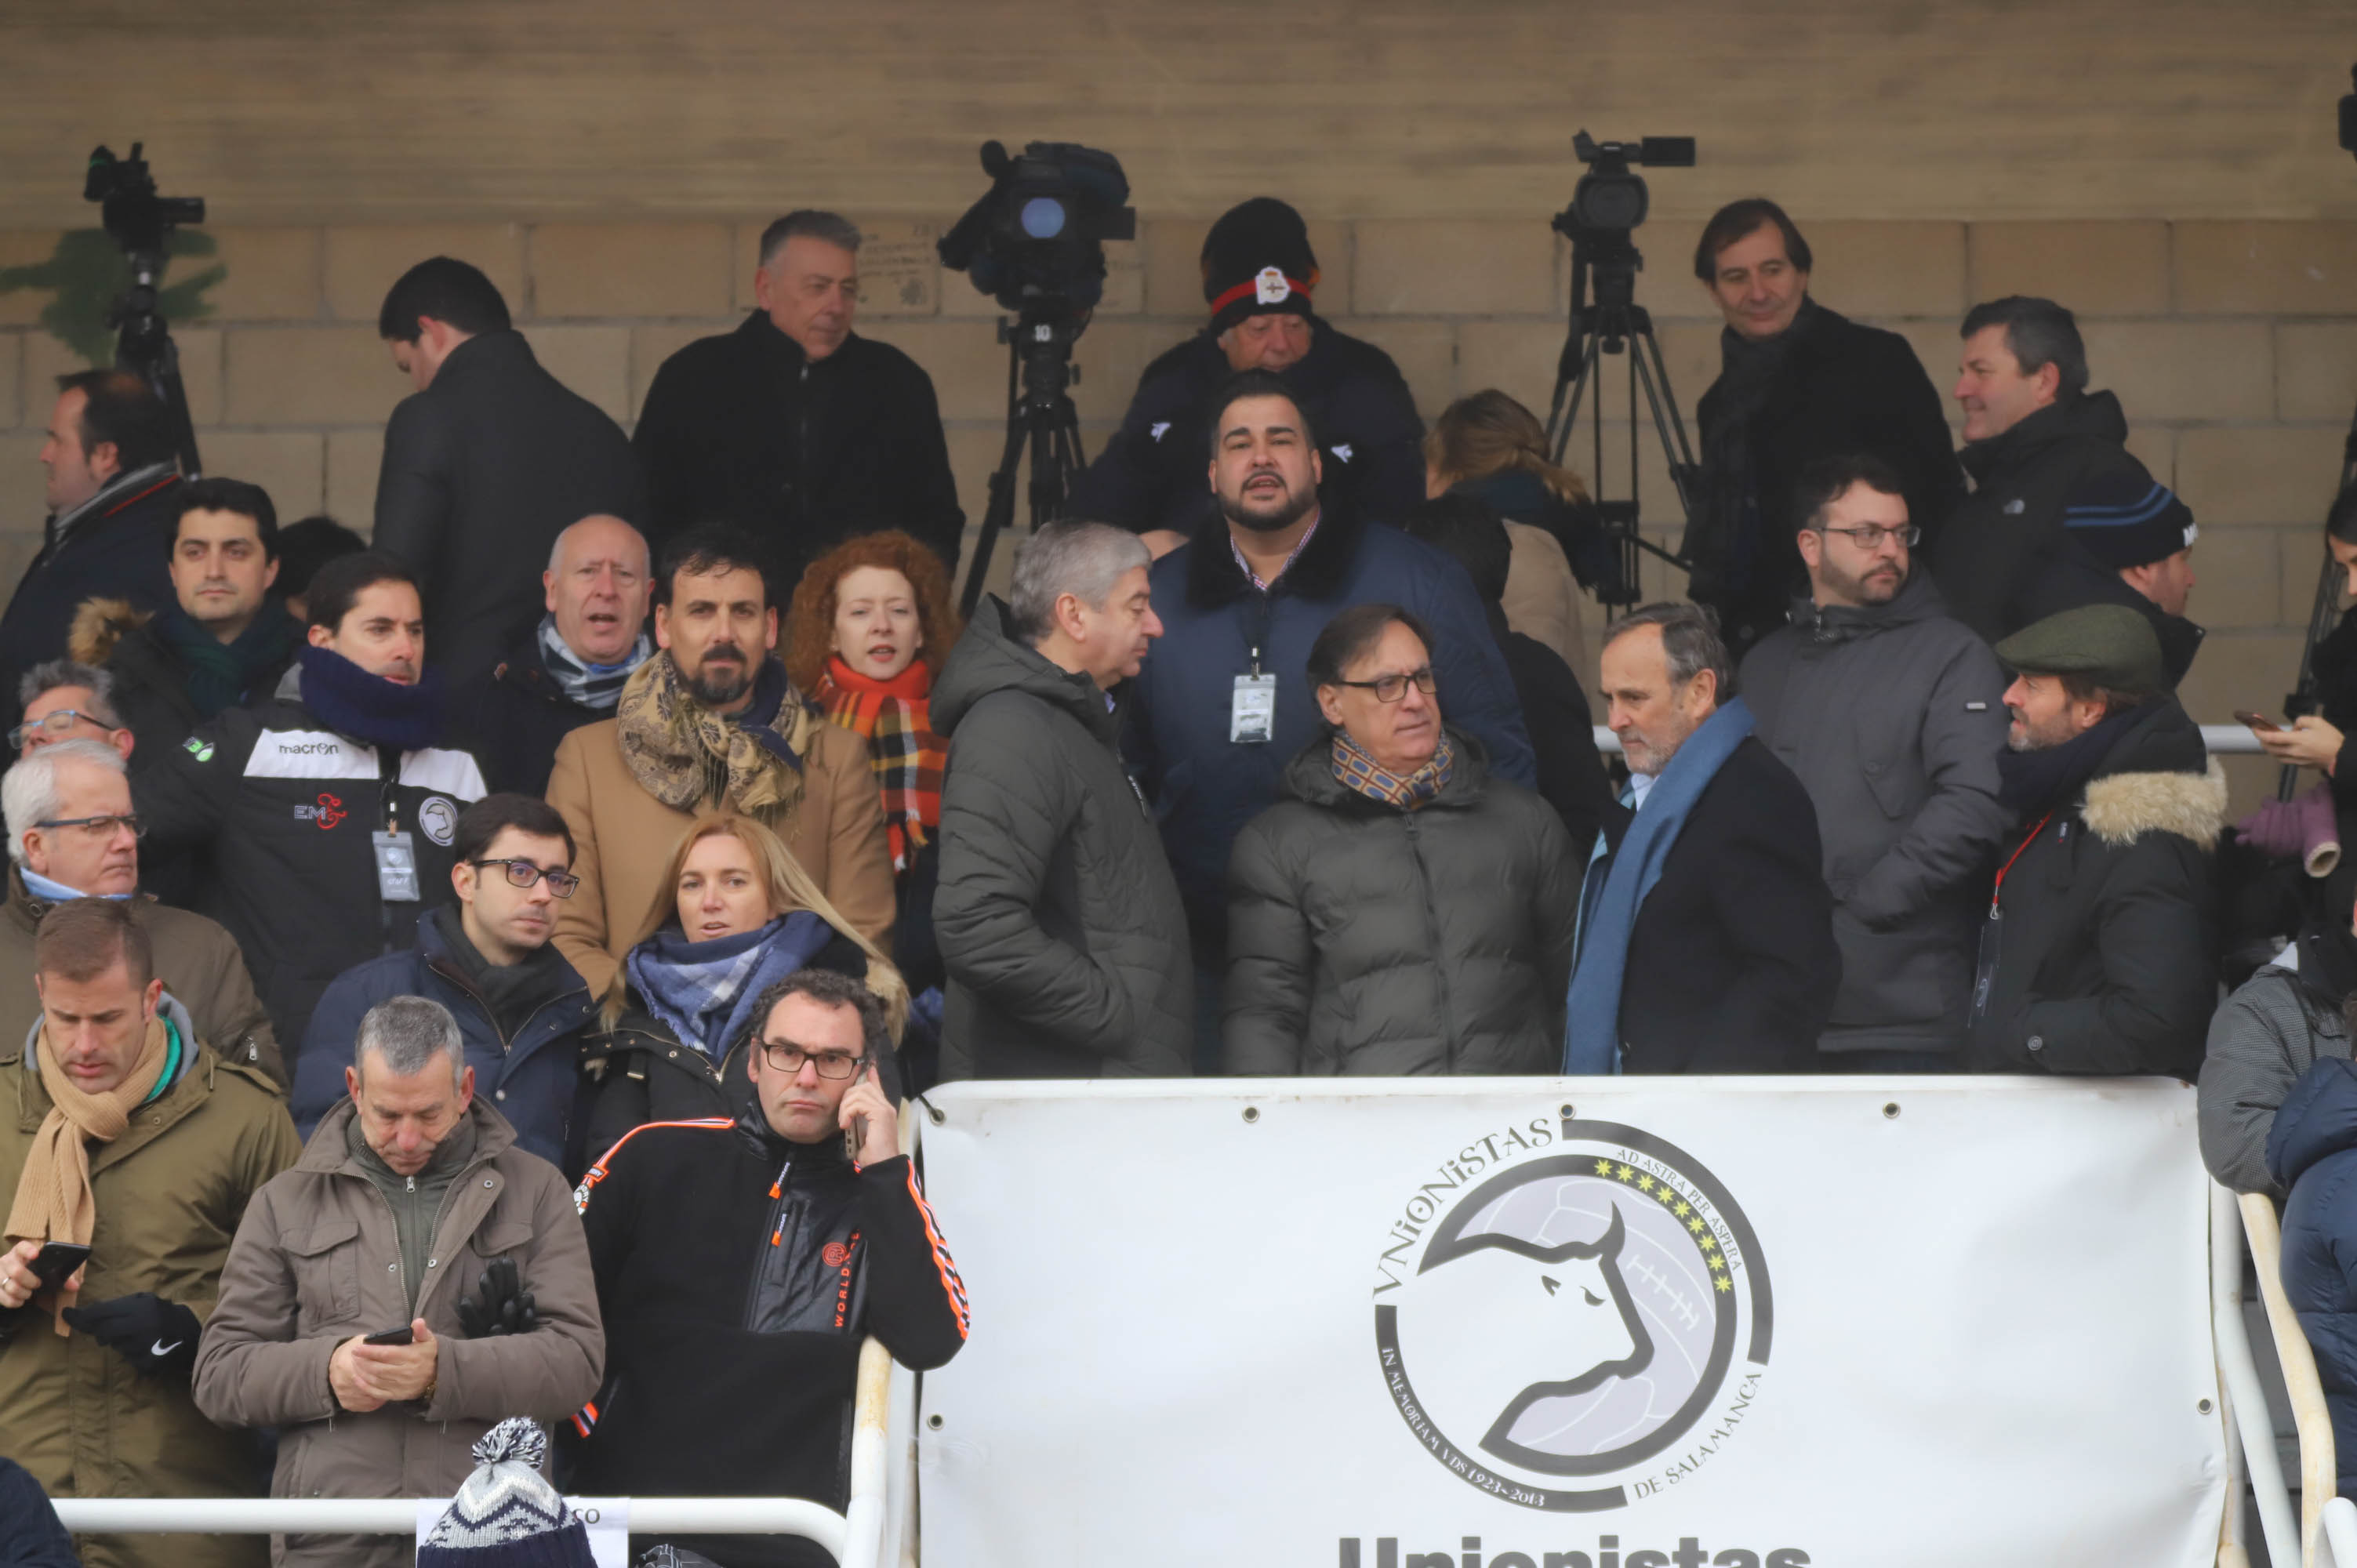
1258,275
1797,383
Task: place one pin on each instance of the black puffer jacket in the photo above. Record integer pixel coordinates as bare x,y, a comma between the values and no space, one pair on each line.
2104,959
1368,941
1058,918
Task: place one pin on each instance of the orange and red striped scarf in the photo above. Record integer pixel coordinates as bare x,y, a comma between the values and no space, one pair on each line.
906,755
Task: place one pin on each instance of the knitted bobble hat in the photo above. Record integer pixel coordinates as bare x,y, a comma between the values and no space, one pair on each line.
507,1515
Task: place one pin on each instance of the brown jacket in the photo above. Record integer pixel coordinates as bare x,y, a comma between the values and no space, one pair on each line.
623,839
200,963
170,1194
316,1262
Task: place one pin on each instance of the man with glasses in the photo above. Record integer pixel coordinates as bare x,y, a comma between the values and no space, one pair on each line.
740,1262
487,958
1891,714
66,700
73,834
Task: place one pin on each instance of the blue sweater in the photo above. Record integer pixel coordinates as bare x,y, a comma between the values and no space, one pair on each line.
2312,1150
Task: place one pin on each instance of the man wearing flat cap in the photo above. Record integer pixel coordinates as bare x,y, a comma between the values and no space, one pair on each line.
2098,954
1259,278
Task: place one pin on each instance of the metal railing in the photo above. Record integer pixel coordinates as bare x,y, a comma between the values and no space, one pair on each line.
2223,740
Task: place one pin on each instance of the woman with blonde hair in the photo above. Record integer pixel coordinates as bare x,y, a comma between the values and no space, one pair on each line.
1492,448
737,914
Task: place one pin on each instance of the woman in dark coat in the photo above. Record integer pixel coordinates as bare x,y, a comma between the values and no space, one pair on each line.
1401,911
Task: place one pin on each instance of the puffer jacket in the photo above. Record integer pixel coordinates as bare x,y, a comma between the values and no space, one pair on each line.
171,1193
1058,918
2104,956
2312,1151
1369,941
1892,717
317,1262
2266,1036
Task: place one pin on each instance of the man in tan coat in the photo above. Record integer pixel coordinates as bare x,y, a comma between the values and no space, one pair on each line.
412,1214
73,834
707,723
119,1130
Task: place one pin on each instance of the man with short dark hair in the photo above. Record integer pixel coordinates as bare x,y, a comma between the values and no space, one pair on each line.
326,813
1706,929
1797,381
1888,711
1259,274
2098,953
487,463
113,478
796,427
520,1006
225,641
123,1134
446,1232
740,1263
712,723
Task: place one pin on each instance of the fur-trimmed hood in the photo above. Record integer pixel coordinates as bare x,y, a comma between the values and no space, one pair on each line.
99,625
2120,808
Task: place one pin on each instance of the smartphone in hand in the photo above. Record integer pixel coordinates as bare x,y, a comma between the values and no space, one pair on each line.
2258,721
404,1334
56,1261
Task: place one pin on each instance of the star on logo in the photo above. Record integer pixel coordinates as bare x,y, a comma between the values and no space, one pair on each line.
1604,1167
1644,1184
1625,1172
1723,1283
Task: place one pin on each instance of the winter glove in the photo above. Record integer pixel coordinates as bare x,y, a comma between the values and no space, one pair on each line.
501,1304
153,1335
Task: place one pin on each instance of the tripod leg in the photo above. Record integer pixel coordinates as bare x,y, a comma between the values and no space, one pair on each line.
996,517
1681,460
1580,382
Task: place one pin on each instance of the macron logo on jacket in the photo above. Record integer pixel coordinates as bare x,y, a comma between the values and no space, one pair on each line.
320,754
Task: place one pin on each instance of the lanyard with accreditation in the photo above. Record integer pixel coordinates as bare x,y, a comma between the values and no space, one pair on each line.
1984,971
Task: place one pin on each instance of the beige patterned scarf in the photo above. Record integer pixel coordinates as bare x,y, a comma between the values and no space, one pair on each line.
685,756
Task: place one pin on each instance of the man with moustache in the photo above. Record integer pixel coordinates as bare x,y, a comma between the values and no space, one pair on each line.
1890,713
1224,701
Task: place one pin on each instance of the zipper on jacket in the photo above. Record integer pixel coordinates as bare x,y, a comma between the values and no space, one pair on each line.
1432,930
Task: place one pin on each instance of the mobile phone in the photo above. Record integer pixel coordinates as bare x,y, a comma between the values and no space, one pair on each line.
2258,721
404,1334
56,1261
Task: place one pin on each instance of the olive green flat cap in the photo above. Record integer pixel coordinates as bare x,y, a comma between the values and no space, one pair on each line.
2111,645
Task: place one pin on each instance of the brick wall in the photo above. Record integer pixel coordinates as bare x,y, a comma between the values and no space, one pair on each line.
2234,346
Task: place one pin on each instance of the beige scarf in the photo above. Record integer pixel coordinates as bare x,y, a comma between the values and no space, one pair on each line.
685,756
54,1202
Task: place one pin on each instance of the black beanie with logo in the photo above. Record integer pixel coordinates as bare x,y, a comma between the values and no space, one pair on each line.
1257,262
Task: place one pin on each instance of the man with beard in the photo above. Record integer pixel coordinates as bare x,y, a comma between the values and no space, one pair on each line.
1223,702
322,817
710,724
2098,953
1888,710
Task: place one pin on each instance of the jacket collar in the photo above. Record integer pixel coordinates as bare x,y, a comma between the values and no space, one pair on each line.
113,497
1918,600
483,354
2088,415
758,332
1213,578
327,1154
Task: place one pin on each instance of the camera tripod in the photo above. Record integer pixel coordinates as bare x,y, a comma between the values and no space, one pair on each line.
1040,415
142,222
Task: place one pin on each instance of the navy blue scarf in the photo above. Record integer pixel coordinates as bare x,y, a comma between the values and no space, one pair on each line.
352,702
705,991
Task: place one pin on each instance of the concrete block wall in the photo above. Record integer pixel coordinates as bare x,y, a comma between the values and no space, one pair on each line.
2233,344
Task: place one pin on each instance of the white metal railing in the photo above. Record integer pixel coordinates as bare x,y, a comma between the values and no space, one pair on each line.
2238,1376
2223,740
2341,1531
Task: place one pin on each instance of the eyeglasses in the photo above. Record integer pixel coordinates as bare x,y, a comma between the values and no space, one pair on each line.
101,827
523,874
788,1058
56,721
1871,536
1393,688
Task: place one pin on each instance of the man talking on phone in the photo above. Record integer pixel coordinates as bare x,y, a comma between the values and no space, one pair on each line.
416,1279
741,1261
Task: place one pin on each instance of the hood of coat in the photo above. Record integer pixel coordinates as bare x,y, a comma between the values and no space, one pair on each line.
1918,600
2158,778
2317,1118
327,1152
2089,416
98,626
989,658
1309,776
168,1008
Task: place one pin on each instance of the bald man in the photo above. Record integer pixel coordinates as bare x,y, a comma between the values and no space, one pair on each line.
569,669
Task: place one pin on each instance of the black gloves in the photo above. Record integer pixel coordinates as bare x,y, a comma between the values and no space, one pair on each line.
153,1335
499,1305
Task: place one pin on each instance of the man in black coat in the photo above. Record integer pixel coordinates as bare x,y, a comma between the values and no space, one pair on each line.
113,496
2099,954
1713,951
1797,383
796,427
486,465
1258,275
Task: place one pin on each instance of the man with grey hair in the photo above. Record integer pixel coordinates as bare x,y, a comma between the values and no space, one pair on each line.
1706,928
415,1279
73,834
65,699
1058,917
795,426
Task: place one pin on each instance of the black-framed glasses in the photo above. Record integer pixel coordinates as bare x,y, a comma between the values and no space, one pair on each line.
1871,536
56,721
101,827
786,1057
1393,688
523,874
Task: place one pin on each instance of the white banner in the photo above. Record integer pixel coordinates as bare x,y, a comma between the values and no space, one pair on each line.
1632,1323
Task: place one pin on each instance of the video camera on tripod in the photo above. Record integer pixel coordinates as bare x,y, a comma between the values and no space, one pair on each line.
141,222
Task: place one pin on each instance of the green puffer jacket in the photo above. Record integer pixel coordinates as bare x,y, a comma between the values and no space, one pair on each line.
1367,941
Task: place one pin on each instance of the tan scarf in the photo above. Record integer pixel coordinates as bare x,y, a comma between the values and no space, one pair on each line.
54,1202
685,755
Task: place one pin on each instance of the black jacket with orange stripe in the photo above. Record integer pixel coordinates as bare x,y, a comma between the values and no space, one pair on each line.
736,1275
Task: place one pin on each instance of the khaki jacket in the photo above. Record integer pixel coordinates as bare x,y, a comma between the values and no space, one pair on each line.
1542,598
623,839
200,963
318,1262
170,1193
